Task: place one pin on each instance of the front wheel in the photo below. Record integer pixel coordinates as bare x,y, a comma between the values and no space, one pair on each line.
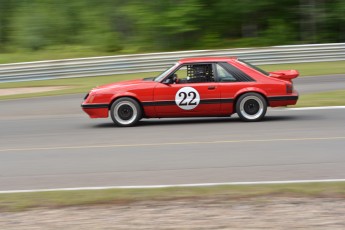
125,112
251,107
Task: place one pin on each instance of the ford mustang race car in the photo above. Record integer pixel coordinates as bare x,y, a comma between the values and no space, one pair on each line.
193,87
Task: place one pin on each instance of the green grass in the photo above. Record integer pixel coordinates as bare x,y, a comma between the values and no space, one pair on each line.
24,201
77,85
312,68
330,98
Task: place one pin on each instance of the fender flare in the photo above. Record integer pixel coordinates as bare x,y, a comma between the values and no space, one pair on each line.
250,90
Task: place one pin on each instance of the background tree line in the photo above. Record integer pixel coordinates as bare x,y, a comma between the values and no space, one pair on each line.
159,25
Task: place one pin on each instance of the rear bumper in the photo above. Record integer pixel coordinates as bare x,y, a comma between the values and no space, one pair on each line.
96,110
285,100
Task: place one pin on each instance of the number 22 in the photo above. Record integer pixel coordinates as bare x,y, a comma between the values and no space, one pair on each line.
185,96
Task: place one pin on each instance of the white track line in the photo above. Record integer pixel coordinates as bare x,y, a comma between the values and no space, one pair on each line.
173,185
317,108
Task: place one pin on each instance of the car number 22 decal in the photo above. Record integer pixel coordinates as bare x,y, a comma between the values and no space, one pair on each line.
187,98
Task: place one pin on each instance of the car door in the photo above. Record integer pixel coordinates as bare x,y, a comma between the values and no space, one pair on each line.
193,93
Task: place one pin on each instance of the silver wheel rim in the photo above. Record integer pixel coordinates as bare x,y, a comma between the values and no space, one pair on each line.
118,117
251,116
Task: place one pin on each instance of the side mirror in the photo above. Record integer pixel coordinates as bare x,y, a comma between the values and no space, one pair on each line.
168,81
171,79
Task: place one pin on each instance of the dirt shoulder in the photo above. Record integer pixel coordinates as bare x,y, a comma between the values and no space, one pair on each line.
250,213
28,90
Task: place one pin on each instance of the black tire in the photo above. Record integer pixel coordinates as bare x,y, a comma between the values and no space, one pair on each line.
251,107
125,112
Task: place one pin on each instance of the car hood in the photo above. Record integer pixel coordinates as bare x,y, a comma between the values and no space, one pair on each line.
123,84
120,84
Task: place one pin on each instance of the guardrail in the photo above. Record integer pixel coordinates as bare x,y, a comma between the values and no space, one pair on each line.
153,62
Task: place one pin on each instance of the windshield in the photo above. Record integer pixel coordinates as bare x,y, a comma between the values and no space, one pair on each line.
161,76
254,67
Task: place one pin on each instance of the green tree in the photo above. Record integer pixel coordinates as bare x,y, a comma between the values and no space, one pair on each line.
39,23
158,25
6,8
165,24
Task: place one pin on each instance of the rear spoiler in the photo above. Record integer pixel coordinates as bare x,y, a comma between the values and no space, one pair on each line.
286,75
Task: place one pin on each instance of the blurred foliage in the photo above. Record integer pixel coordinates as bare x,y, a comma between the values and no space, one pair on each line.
127,26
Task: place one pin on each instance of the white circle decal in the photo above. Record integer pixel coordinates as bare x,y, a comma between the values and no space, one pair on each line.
187,98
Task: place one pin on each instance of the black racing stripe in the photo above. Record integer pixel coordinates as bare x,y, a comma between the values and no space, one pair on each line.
148,103
283,98
158,103
206,101
94,106
227,100
210,101
216,101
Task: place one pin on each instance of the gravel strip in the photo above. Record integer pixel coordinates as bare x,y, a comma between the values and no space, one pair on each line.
254,213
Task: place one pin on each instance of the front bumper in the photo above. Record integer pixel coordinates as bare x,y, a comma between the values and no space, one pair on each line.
96,110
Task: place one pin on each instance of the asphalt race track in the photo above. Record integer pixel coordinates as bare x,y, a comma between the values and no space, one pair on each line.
50,143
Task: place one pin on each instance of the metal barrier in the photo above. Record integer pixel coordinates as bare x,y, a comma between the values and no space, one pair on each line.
153,62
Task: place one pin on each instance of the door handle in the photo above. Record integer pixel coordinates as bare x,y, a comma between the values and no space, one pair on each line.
211,87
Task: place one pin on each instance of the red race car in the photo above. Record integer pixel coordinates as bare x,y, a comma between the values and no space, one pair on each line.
194,87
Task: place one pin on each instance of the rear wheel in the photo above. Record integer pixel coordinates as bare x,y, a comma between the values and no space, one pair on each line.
251,107
125,112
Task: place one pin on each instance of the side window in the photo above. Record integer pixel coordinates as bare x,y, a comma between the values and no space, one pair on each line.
224,75
181,74
195,74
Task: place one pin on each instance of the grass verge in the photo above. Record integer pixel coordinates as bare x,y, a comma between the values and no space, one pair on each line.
331,98
76,85
58,199
312,68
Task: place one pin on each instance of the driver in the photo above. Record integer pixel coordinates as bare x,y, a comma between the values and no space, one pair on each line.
175,78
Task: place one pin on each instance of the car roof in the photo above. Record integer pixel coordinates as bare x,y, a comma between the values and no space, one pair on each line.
207,59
